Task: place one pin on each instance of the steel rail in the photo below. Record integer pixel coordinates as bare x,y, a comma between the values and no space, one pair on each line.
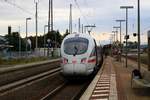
54,91
25,66
21,82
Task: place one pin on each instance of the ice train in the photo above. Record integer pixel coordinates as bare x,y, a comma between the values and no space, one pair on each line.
80,55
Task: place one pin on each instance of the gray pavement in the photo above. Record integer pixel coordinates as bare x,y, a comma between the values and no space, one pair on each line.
103,87
118,83
124,89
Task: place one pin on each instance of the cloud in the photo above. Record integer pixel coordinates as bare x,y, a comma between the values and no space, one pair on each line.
103,13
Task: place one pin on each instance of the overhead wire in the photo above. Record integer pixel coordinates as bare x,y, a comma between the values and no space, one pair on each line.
17,6
81,11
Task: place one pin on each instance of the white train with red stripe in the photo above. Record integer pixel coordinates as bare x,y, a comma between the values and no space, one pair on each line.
80,55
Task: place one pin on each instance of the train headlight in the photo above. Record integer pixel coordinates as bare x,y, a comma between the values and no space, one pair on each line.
64,61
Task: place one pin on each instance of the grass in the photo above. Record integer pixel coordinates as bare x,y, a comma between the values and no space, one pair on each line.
144,58
23,60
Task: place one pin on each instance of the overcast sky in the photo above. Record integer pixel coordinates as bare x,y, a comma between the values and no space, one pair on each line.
102,13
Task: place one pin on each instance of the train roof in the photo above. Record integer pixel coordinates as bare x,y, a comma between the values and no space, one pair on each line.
85,35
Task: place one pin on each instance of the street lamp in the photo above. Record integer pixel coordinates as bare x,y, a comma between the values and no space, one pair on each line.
126,7
120,36
120,21
114,40
116,27
149,50
27,32
114,35
45,38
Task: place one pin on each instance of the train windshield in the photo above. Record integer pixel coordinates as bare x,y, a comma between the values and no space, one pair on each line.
76,46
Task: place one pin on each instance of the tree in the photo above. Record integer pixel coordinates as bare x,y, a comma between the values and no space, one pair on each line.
13,40
58,37
55,38
67,32
40,41
32,42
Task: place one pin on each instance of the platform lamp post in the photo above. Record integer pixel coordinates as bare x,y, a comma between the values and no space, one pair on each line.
116,27
148,50
138,32
111,43
27,32
114,35
126,7
120,21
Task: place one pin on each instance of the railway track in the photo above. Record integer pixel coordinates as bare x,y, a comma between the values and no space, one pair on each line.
17,86
133,59
41,82
23,82
69,90
11,74
54,91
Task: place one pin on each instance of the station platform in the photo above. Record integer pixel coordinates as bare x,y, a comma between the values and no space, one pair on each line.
113,82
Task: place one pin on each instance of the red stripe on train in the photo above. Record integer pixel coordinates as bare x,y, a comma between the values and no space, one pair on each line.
92,61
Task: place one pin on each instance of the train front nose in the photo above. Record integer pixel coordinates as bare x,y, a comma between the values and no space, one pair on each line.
74,69
67,69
